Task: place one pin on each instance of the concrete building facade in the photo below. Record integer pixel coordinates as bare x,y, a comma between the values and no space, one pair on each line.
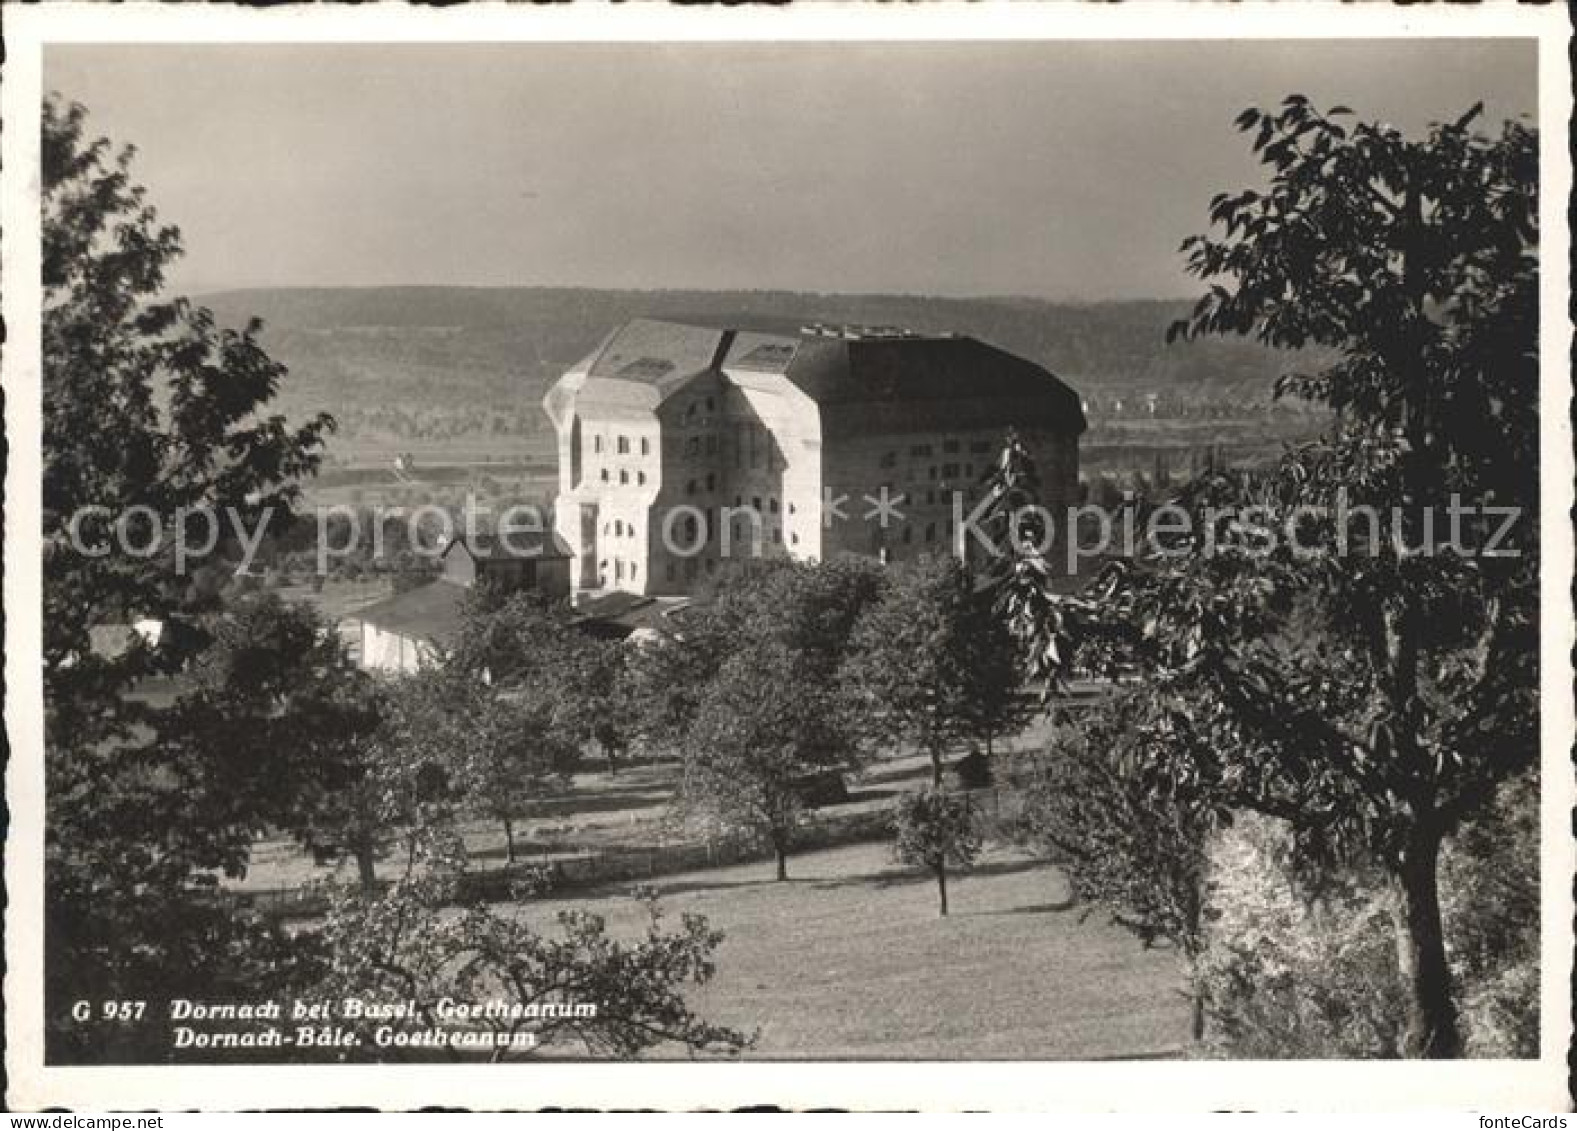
682,445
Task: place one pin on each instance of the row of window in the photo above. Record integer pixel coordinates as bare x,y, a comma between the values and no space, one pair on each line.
622,445
621,568
925,451
624,476
692,568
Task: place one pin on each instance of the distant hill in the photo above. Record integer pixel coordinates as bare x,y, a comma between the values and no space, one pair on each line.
433,365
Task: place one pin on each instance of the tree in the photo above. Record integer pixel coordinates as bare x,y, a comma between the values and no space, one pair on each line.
809,609
579,984
499,745
763,727
1378,711
148,408
1417,260
934,829
598,704
1141,855
994,704
927,664
280,730
513,638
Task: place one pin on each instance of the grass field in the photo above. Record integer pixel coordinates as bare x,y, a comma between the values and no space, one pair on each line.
849,959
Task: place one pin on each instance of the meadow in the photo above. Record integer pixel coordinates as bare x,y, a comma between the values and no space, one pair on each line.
1018,970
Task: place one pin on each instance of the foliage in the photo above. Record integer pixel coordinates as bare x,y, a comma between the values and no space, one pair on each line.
498,746
146,403
1138,853
929,663
404,945
601,707
746,690
512,637
1490,899
935,828
764,727
809,609
1294,973
1369,694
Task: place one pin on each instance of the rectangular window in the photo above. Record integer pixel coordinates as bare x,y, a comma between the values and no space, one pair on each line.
624,445
949,447
949,471
646,446
980,447
889,459
596,443
920,450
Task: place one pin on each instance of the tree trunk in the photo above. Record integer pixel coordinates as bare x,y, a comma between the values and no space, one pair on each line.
941,885
1431,1031
509,840
1198,1026
366,867
780,850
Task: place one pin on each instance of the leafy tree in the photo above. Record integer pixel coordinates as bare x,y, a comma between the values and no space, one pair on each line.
995,704
146,404
934,829
406,945
763,727
513,638
808,609
927,662
498,745
1376,715
282,729
1141,855
598,703
1417,260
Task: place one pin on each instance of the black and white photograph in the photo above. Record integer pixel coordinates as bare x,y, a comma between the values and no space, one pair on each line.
805,540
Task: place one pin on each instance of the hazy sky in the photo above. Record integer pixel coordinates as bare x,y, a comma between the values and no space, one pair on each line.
1069,170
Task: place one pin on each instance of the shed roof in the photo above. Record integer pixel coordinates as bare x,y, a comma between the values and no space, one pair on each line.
428,612
521,545
620,614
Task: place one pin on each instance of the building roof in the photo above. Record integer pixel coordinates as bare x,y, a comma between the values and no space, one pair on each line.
661,354
428,612
521,545
620,614
880,378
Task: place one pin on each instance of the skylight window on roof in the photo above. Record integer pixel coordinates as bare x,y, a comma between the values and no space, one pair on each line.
771,357
646,368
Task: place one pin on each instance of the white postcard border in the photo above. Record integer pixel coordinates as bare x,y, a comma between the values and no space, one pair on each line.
868,1085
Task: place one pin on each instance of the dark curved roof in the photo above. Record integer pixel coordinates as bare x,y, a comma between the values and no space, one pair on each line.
883,377
925,384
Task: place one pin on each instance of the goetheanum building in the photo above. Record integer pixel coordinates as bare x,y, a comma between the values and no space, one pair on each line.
682,444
